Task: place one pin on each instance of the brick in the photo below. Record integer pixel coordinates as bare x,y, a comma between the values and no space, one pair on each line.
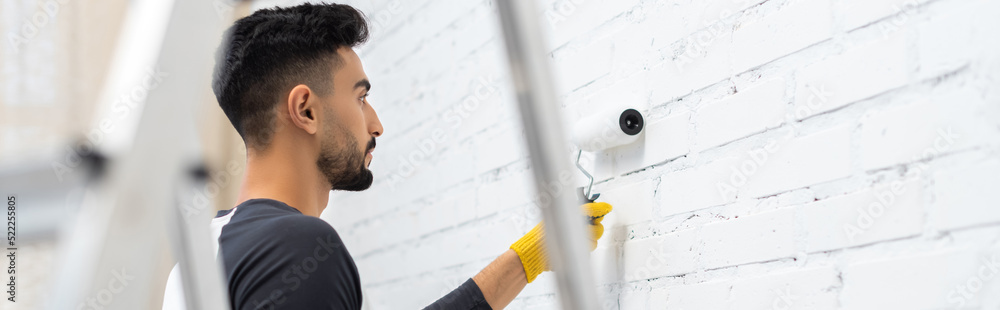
858,13
412,292
692,64
605,261
708,13
435,217
709,295
584,66
485,114
633,49
544,284
798,289
796,163
667,255
374,232
792,27
500,149
663,26
473,32
888,211
949,120
960,196
336,211
666,139
548,304
635,300
695,188
445,213
749,111
405,35
858,73
458,156
633,203
928,281
901,134
441,251
954,38
505,193
748,239
569,19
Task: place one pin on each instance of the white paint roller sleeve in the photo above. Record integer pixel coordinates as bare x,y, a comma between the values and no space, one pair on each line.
608,129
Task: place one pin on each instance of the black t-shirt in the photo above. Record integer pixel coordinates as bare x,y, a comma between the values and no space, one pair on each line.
275,257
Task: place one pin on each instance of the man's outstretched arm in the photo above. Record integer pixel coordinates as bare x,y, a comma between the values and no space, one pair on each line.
502,280
506,276
493,288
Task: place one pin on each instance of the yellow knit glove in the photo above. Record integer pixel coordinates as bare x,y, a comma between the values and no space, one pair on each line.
531,251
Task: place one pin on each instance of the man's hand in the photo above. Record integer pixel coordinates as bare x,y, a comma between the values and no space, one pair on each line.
531,251
507,275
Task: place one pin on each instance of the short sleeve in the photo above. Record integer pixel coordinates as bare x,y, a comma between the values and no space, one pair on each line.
299,262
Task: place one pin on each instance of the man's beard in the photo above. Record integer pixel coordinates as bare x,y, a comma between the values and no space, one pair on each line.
343,167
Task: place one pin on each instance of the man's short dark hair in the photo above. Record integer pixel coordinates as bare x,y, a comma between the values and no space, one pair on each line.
266,54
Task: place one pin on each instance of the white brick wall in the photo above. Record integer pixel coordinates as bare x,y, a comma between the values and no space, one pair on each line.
799,154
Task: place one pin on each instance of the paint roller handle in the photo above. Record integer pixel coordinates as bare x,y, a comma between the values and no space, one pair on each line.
530,248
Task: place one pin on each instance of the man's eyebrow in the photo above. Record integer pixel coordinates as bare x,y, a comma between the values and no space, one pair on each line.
363,83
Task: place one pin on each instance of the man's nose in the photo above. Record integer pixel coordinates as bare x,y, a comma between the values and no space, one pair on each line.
374,125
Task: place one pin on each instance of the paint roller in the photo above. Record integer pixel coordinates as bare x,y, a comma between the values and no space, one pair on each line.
604,130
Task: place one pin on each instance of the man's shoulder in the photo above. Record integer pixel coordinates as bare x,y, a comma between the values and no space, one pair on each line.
272,248
299,227
277,228
298,222
267,215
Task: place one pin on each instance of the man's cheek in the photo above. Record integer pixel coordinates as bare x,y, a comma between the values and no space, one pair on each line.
363,143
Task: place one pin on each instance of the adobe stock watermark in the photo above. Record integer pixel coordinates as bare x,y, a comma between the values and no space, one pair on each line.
526,218
453,118
696,45
543,197
43,16
749,166
380,20
756,158
784,300
124,106
301,271
224,8
656,260
561,10
868,215
901,15
962,293
106,296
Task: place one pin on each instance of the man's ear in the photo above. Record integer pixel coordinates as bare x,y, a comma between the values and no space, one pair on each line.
302,106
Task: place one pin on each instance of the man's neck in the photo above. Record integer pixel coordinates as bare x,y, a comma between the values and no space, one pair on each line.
284,177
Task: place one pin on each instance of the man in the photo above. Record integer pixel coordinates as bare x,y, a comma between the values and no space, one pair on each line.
292,86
